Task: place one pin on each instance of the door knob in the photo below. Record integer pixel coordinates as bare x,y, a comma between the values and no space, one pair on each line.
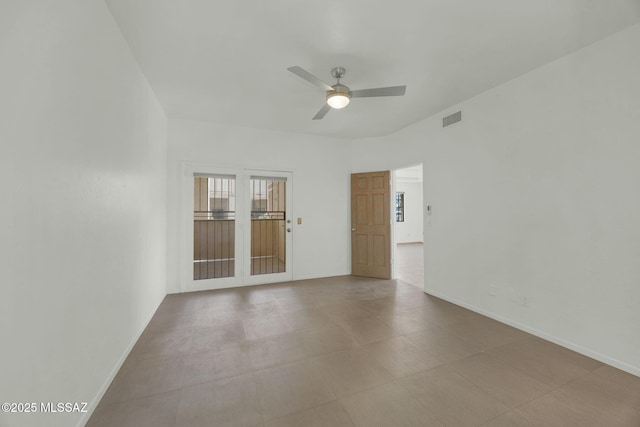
288,230
353,229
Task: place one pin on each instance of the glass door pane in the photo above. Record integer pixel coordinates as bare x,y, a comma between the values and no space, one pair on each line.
268,225
214,215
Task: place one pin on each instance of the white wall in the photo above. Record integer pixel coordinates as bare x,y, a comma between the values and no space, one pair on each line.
83,185
410,230
320,166
537,192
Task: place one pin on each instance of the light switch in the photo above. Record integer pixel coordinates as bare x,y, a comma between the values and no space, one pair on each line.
299,220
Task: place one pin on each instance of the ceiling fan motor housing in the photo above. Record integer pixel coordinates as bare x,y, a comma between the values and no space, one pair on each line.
339,89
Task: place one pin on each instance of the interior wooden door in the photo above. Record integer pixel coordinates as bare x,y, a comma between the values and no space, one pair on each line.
371,224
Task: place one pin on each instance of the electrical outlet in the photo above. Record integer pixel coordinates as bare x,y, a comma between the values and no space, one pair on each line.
492,290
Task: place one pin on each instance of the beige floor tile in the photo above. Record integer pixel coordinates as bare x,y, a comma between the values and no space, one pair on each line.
209,366
548,411
486,333
510,419
451,398
625,380
219,299
602,398
367,329
215,318
228,402
297,302
256,295
406,321
382,304
422,312
346,311
400,356
158,410
327,340
289,389
216,338
545,361
443,345
504,382
265,326
307,319
145,377
260,309
170,320
350,371
165,343
442,313
388,405
178,303
414,299
330,414
393,356
278,350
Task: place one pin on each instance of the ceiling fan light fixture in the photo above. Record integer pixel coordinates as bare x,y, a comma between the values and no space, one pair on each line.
338,100
339,97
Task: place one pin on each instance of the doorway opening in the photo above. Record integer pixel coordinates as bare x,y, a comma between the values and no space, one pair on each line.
408,225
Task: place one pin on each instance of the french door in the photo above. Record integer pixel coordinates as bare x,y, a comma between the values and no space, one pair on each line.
237,228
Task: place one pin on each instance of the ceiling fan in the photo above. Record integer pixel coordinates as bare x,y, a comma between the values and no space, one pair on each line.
339,95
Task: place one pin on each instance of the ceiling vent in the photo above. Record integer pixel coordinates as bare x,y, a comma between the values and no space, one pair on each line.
451,119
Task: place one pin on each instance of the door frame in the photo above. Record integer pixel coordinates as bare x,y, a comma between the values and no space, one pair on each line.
393,227
393,188
242,264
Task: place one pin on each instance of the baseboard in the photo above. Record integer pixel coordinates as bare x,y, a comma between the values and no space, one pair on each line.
315,276
243,285
634,370
103,389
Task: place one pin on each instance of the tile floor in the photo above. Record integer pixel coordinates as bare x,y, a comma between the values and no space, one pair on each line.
350,351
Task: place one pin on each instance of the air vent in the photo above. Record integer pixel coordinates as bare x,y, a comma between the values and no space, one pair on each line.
451,119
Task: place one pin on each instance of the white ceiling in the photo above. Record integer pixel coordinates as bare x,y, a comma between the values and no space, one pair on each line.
225,61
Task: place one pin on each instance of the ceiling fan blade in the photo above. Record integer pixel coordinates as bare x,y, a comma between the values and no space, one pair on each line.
379,91
300,72
323,112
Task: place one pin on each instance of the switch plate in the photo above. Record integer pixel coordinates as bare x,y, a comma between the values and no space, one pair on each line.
299,221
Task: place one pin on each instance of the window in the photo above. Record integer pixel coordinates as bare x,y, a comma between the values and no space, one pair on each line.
399,207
